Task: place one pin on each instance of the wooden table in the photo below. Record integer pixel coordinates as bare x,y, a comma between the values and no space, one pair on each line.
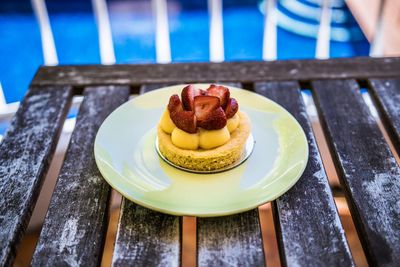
308,228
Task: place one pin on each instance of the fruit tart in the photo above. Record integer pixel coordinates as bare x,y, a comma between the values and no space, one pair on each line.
203,130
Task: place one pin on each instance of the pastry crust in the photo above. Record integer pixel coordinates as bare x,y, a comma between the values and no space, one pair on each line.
211,159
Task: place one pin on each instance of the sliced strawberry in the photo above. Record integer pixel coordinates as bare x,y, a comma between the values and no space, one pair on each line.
203,105
185,120
220,91
215,120
231,108
174,104
188,94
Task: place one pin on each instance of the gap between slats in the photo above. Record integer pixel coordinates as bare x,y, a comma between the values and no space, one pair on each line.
80,182
27,150
344,213
298,204
28,243
114,208
376,112
268,233
29,240
330,169
361,159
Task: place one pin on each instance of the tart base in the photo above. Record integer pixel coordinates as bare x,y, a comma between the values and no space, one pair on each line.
211,159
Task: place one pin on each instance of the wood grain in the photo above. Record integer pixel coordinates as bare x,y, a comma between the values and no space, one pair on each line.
367,169
386,93
26,152
246,72
233,240
146,237
309,229
75,224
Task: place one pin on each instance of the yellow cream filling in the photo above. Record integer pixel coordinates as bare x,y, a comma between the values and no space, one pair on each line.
213,138
233,122
185,140
166,123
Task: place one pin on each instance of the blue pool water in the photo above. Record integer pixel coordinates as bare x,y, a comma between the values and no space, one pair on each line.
75,46
75,32
20,53
243,33
189,30
132,25
132,30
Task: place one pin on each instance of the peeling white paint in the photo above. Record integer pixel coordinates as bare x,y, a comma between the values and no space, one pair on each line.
69,240
377,191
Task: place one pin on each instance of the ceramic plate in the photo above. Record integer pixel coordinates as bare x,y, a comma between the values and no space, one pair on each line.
126,156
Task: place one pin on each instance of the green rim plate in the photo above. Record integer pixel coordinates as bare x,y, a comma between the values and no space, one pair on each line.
126,157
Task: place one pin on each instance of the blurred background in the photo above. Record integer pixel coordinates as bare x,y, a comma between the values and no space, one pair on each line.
51,32
58,32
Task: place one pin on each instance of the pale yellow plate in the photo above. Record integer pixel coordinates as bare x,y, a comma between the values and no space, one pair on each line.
126,156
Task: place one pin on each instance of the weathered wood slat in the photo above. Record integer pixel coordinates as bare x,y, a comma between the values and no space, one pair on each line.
75,224
368,170
146,237
230,240
230,71
26,152
309,229
387,94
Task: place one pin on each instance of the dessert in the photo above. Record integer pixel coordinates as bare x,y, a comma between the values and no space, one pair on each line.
203,130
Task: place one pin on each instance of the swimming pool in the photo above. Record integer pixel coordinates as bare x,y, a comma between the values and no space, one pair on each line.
76,36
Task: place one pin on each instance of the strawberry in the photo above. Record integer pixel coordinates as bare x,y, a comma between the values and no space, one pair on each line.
185,120
174,104
219,91
215,120
231,108
203,105
188,94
